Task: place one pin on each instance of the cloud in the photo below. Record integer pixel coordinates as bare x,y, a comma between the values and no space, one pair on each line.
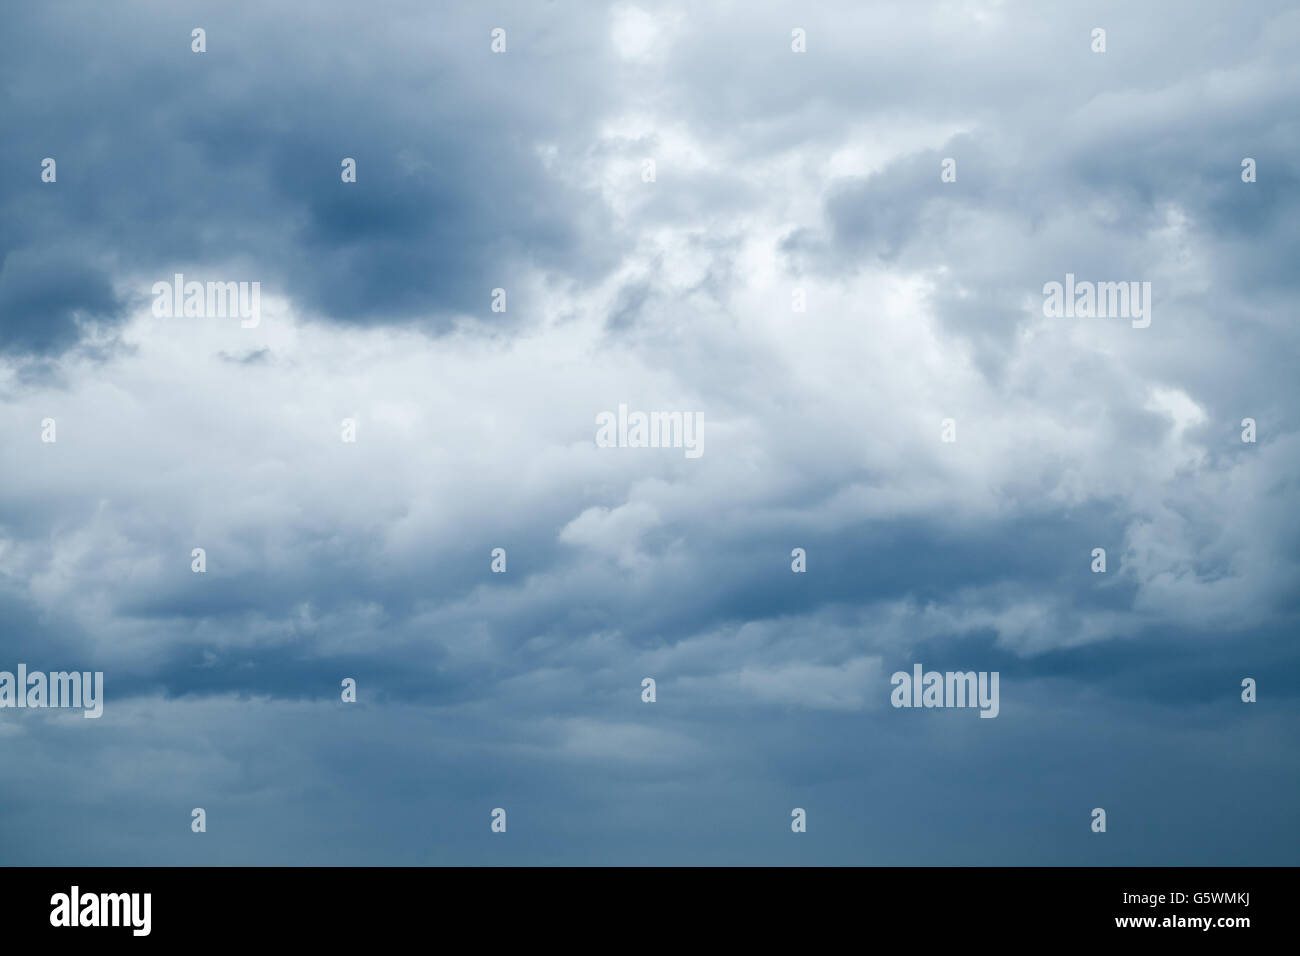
776,172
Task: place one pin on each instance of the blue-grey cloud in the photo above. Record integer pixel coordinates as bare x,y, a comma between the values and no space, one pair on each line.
775,173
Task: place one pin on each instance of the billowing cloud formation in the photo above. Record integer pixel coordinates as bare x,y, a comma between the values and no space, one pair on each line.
778,178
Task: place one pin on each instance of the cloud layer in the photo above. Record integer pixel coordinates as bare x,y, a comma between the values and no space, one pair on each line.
776,176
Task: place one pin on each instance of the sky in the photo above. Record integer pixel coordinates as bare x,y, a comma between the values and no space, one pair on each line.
656,188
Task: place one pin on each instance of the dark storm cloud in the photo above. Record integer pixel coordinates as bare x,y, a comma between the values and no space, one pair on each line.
48,300
328,560
172,161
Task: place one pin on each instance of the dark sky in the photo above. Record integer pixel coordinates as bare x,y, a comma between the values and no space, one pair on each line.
775,171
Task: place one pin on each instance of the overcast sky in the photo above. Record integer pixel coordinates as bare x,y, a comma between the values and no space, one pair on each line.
774,171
